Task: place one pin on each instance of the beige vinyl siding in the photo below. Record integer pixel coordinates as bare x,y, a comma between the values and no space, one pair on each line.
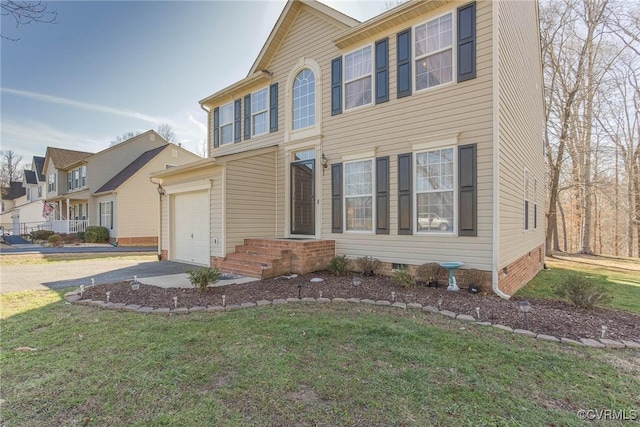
393,128
250,203
519,128
138,197
217,212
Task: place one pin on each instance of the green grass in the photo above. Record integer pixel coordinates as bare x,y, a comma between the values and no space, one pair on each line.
292,365
621,276
30,259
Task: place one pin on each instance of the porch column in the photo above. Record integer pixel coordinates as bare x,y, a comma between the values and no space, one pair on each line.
67,226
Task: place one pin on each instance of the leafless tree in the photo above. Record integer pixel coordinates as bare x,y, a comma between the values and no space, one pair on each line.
10,168
124,137
166,132
27,12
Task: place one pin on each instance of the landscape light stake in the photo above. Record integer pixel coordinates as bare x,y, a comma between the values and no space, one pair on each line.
525,307
175,302
108,296
320,292
603,331
393,296
224,301
478,312
300,291
81,290
93,281
439,303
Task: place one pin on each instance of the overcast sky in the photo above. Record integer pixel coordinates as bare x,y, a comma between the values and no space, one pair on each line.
110,67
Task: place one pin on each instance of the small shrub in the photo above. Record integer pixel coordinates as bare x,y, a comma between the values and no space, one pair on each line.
578,290
201,278
80,236
474,277
41,234
368,265
102,233
403,278
339,265
68,238
90,237
55,240
430,271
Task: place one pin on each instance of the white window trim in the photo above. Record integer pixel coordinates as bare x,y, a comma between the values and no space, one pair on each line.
453,231
255,113
345,81
232,123
315,101
454,52
526,201
373,198
101,214
51,183
291,135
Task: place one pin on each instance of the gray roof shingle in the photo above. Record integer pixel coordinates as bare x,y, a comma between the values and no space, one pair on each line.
130,170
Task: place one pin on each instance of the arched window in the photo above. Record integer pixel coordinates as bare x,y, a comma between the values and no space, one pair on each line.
304,100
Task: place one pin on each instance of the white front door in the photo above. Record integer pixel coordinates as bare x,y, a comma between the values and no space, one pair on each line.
190,227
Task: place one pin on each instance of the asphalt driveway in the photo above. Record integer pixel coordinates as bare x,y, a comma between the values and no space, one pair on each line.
57,275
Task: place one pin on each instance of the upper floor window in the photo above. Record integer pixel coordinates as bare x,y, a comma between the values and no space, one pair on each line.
260,111
304,100
435,192
433,45
77,178
51,182
358,68
226,123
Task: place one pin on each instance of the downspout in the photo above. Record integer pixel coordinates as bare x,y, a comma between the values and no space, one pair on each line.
496,157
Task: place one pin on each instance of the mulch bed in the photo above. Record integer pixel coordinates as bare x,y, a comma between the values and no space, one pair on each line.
546,317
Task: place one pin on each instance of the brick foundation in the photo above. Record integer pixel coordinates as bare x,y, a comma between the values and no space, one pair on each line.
518,273
138,241
164,254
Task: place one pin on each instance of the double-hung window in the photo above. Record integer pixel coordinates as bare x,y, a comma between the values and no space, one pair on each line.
358,195
260,111
433,46
358,68
51,182
435,190
106,214
226,123
83,176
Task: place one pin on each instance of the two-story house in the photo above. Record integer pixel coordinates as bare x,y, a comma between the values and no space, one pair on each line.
23,210
110,188
413,137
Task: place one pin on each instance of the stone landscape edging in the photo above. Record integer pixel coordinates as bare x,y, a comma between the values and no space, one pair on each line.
74,297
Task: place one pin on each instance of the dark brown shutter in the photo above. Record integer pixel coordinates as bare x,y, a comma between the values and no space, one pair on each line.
467,42
403,49
382,71
273,107
467,210
247,116
237,115
405,194
382,195
216,127
336,198
336,86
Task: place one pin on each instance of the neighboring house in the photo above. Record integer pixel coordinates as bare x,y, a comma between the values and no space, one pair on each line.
12,196
415,136
110,188
24,212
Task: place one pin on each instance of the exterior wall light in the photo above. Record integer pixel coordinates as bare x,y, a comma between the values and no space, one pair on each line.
161,191
324,163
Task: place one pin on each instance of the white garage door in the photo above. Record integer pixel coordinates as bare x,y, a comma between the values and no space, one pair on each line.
191,227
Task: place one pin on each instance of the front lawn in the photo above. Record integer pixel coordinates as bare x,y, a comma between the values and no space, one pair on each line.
620,275
292,365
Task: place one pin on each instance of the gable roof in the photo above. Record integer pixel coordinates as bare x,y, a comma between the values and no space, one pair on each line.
286,19
14,191
62,157
30,177
130,170
39,163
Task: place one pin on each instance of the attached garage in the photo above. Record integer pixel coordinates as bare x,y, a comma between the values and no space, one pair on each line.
190,220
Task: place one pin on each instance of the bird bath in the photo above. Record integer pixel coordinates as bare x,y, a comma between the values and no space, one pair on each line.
452,266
